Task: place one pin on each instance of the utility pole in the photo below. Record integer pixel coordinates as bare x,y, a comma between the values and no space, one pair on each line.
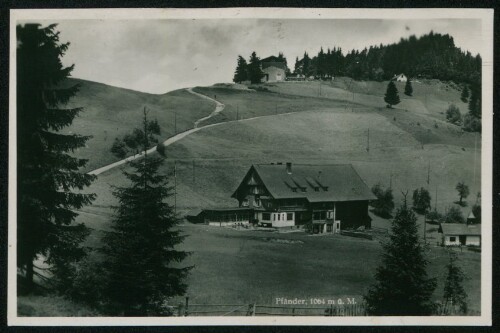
428,173
194,177
175,188
175,122
436,200
368,142
475,150
237,111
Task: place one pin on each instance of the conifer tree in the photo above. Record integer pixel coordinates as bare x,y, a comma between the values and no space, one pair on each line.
421,200
306,64
465,94
391,95
142,264
241,73
475,101
454,293
408,88
402,287
255,73
47,174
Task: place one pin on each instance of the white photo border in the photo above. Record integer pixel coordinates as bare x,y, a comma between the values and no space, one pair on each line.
486,17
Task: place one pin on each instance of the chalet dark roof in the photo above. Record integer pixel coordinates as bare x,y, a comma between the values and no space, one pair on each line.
276,64
458,229
271,59
226,209
329,182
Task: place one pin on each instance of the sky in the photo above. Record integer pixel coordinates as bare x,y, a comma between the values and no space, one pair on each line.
157,56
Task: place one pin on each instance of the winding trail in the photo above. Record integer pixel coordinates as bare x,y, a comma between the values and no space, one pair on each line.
218,108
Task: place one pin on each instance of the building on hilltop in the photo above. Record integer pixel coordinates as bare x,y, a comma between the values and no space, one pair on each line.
274,69
400,78
328,198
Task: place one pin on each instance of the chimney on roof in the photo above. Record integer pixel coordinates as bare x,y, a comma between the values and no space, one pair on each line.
289,168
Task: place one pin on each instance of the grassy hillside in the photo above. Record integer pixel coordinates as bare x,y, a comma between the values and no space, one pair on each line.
430,97
331,129
110,112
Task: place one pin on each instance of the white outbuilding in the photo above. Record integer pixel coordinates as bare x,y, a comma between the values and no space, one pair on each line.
456,234
400,78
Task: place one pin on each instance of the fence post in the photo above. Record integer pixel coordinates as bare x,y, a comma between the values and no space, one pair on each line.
253,309
186,311
293,312
331,310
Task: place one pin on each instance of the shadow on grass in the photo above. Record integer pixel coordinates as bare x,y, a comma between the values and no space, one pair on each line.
381,214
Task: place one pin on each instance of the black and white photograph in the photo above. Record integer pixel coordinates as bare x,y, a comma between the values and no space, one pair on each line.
249,166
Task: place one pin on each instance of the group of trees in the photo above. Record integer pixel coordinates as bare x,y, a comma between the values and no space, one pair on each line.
133,141
402,286
430,56
471,122
251,70
135,274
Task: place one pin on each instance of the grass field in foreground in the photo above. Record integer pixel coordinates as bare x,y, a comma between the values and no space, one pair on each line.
234,266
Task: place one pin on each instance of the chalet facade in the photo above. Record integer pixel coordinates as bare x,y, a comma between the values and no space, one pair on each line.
274,69
328,198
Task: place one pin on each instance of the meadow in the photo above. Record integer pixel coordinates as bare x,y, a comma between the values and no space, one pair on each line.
111,112
287,122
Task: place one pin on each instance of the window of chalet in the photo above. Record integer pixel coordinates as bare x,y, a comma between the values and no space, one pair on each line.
319,215
330,214
266,216
279,215
289,216
453,239
244,203
257,202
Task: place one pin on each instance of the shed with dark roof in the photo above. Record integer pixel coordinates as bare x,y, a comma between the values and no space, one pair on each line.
455,234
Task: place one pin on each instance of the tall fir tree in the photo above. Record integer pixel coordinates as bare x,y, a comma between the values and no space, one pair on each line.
454,296
47,173
475,101
255,73
465,94
241,73
408,88
402,287
306,64
142,265
391,95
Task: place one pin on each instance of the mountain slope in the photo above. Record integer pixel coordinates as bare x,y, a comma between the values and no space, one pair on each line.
111,112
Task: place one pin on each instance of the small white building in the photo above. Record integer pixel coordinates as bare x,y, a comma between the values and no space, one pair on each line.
400,78
456,234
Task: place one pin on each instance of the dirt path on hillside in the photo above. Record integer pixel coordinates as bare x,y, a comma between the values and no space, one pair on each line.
218,108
